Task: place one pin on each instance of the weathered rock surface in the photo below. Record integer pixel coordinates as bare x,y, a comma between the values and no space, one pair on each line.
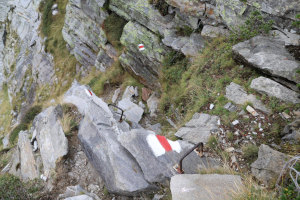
292,131
51,139
238,95
268,55
158,168
213,31
205,187
22,52
199,128
143,64
98,134
77,193
268,165
27,162
190,7
267,86
83,33
287,37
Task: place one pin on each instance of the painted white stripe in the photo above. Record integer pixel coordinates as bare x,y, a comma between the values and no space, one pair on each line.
87,92
155,145
142,49
175,146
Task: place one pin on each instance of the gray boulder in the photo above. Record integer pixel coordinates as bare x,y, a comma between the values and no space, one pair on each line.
268,55
80,197
213,31
267,86
152,104
291,131
51,139
199,128
98,134
238,95
132,111
268,165
157,163
28,166
205,187
287,37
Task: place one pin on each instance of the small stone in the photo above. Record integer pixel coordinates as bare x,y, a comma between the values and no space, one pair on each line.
54,12
261,129
235,122
296,112
233,159
171,122
254,133
55,6
219,123
230,149
211,106
252,111
43,177
116,95
35,146
158,197
236,133
230,107
285,116
142,105
146,94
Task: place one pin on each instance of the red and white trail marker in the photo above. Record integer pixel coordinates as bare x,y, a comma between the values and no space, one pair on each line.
141,47
160,145
88,92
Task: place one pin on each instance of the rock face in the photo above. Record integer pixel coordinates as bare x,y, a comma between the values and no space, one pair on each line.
238,95
150,58
268,55
132,111
205,187
22,52
86,40
27,162
199,128
268,165
51,139
267,86
98,134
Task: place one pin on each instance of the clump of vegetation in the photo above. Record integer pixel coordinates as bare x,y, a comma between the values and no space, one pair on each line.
289,189
113,26
296,23
27,119
31,113
212,142
11,187
46,10
184,31
161,5
250,152
15,132
253,26
5,108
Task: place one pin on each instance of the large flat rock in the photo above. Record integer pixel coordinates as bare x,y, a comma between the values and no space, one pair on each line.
98,134
238,95
269,55
199,128
267,86
205,187
155,161
132,111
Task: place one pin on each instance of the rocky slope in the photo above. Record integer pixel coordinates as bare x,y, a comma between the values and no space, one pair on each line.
117,152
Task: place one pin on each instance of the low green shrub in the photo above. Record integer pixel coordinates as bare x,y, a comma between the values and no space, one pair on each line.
250,152
11,187
184,31
45,8
255,24
113,26
15,132
31,113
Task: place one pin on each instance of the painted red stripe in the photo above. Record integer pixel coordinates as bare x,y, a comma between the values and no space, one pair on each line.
90,92
164,142
141,46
